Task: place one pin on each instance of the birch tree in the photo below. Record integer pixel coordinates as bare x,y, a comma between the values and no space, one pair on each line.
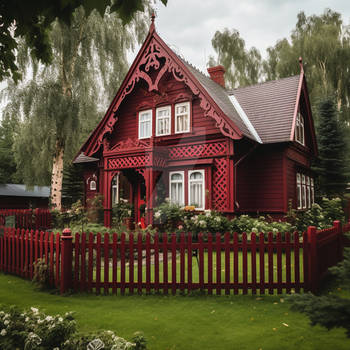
62,102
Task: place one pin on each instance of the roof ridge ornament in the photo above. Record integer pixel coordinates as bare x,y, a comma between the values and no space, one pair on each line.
152,27
301,64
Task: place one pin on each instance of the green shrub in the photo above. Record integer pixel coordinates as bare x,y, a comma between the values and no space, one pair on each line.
33,329
95,210
208,222
248,224
120,212
319,215
169,216
41,277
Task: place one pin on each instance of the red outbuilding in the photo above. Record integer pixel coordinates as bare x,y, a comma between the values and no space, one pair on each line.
172,131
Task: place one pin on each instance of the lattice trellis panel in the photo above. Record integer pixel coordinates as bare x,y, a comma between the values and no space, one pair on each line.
126,162
202,150
220,184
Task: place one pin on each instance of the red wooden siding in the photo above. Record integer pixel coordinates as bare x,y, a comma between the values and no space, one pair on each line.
213,263
260,181
127,124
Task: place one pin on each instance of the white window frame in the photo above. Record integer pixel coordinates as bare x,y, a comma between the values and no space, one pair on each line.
150,121
182,173
308,192
299,133
303,191
93,185
312,188
299,192
179,114
115,188
190,172
158,118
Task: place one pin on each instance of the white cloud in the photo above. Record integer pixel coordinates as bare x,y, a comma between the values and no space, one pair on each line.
189,25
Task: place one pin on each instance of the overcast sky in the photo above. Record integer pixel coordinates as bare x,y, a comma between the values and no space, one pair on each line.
189,25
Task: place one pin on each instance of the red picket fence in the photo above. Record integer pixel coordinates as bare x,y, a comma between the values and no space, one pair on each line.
213,263
27,218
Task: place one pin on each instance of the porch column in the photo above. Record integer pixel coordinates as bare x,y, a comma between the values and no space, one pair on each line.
107,205
150,177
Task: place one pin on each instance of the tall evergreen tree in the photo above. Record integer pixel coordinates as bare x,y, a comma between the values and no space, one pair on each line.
73,184
63,101
331,167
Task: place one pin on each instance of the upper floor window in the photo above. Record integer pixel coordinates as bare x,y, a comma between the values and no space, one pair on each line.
299,129
145,124
182,117
196,192
163,121
177,187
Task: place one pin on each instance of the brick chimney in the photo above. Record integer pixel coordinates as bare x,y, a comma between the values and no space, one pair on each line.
217,74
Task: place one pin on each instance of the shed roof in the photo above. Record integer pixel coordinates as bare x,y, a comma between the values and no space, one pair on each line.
14,190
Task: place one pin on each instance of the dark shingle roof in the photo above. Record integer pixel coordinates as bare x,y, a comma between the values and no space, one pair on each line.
22,191
221,98
270,107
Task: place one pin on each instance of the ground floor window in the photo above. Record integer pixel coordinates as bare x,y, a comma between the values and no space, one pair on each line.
305,191
195,189
176,187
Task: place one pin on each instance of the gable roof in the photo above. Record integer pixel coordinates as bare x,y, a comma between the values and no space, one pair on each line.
15,190
221,97
270,107
264,112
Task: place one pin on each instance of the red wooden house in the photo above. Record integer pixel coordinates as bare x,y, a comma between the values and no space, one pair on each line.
172,131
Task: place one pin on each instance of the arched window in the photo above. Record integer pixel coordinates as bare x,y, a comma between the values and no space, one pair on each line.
196,189
176,186
92,185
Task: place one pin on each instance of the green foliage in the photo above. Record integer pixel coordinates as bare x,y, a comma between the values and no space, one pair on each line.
61,103
331,166
243,67
8,133
324,44
33,329
73,185
169,216
330,311
41,277
245,223
95,210
208,222
120,212
319,215
327,311
32,21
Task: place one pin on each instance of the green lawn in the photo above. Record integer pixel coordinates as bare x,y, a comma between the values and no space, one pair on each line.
191,322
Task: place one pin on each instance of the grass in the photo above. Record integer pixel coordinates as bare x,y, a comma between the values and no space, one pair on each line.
178,322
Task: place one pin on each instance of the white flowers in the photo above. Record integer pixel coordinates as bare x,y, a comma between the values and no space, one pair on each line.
3,332
6,322
48,318
217,218
202,223
157,214
34,310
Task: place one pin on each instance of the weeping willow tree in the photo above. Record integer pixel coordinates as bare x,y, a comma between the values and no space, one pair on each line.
62,102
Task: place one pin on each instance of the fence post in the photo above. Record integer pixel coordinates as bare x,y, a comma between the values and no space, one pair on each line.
66,260
312,265
339,229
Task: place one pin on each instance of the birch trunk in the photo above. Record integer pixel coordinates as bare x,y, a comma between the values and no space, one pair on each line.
57,177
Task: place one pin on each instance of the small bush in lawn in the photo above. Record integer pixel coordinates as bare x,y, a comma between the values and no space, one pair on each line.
33,329
41,277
